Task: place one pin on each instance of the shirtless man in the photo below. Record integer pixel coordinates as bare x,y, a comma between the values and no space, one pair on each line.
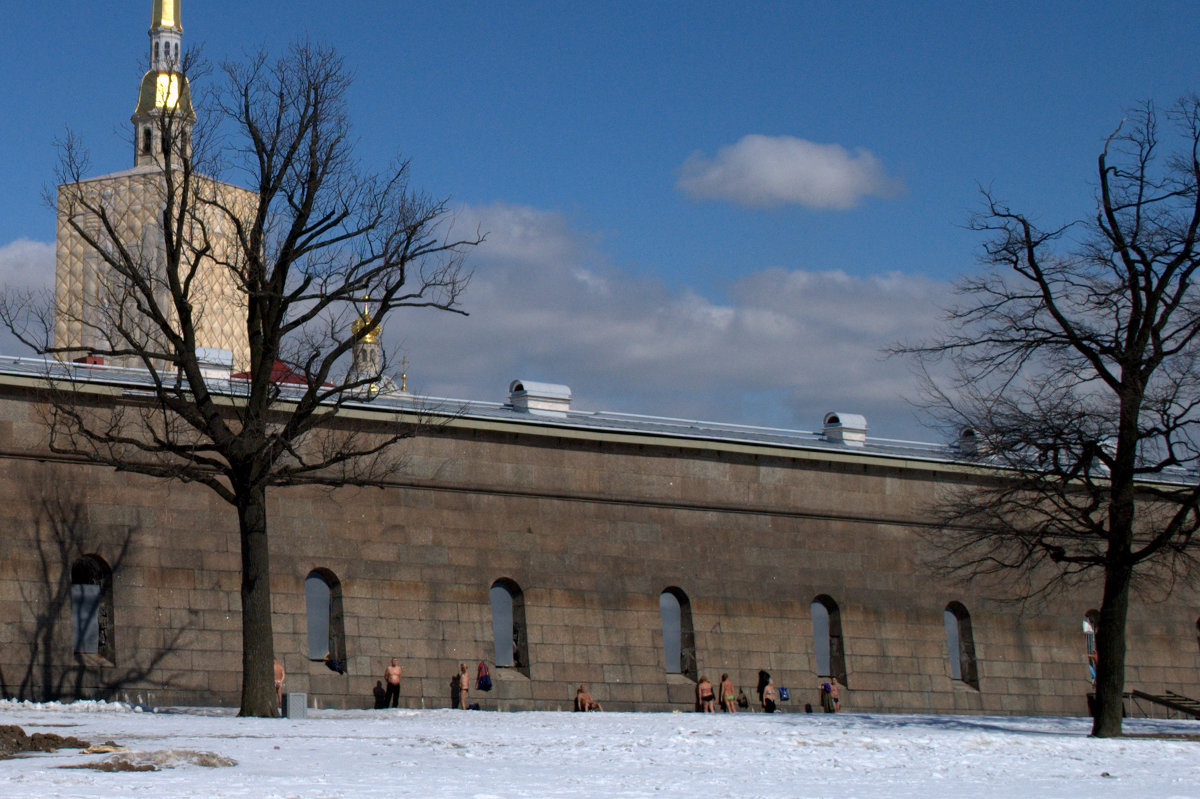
279,677
834,695
391,678
704,690
583,700
464,682
728,694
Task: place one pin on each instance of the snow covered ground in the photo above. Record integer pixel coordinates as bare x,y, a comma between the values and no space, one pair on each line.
446,753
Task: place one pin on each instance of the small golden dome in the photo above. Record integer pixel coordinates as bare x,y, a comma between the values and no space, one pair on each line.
365,322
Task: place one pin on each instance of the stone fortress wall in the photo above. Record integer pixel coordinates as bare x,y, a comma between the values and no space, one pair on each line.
592,527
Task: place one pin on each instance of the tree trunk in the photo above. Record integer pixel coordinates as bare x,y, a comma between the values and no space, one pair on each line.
1110,651
258,646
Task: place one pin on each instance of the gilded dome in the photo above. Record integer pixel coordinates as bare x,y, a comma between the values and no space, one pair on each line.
365,322
164,90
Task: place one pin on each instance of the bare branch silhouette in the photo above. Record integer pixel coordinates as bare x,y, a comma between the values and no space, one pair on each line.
293,277
1074,377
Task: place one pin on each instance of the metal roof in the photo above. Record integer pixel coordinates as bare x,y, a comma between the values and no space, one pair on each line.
137,381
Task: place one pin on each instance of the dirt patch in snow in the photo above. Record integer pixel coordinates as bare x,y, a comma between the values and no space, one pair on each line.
14,741
155,761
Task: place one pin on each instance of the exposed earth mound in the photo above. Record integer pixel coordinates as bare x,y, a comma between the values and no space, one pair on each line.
13,741
154,761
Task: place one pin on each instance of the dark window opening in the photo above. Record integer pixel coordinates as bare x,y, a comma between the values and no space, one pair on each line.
827,640
509,632
960,642
326,623
147,141
92,609
679,639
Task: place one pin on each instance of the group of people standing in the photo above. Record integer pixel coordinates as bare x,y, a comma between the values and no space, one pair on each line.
387,690
726,695
831,697
729,698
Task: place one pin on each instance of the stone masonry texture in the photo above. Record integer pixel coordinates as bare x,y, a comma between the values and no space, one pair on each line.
591,530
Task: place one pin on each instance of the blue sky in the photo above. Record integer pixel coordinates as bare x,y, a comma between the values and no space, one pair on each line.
709,210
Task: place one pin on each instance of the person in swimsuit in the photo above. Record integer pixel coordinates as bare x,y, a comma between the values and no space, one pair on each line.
768,696
728,694
584,701
463,684
391,675
704,691
279,678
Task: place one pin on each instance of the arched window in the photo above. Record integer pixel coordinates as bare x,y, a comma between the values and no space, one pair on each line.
326,627
92,608
146,140
1091,622
960,642
156,53
508,625
827,639
679,640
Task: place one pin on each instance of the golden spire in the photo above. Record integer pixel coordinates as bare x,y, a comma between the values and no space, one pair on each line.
166,14
164,88
404,375
365,322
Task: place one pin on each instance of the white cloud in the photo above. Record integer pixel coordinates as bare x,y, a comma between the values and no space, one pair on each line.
26,265
768,171
786,347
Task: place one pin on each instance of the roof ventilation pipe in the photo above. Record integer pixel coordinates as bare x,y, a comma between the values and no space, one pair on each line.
542,399
847,428
967,442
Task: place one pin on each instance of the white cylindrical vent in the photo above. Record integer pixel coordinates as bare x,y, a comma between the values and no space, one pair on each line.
847,428
546,399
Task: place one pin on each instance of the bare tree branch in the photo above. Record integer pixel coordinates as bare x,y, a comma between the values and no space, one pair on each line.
1074,365
306,265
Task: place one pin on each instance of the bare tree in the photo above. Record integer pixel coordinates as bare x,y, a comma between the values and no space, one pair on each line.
1074,363
312,257
61,540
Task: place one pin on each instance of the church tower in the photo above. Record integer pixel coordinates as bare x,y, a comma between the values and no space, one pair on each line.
164,89
95,316
367,357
